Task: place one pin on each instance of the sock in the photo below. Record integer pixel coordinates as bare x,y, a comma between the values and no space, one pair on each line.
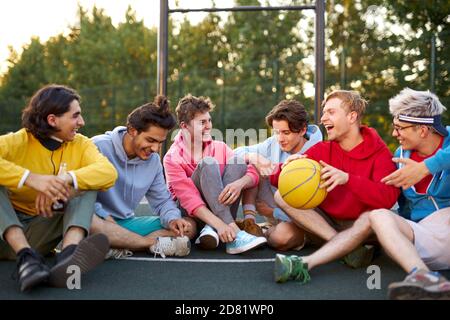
414,270
249,214
249,207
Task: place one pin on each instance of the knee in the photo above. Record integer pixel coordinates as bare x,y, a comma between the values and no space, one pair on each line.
379,216
280,237
191,229
363,222
208,161
238,163
208,165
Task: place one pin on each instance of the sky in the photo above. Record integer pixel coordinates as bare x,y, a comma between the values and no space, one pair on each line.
22,19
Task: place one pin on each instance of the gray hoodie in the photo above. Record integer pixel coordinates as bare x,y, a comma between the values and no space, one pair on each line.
137,178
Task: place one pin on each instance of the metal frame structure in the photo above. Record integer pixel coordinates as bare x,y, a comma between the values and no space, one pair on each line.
319,49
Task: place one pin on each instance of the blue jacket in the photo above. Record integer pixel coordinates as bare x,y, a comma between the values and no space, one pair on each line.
417,206
137,178
270,149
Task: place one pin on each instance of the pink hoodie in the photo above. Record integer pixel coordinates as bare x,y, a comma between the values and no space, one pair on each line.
179,167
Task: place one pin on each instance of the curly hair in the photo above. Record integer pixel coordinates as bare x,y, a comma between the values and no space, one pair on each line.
190,105
51,99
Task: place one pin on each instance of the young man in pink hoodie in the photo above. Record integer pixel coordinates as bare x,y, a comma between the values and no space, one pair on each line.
354,161
207,179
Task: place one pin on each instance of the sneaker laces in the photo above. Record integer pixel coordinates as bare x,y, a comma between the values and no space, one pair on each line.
299,270
162,246
118,254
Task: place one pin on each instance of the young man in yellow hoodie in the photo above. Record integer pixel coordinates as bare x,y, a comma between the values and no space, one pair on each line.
30,187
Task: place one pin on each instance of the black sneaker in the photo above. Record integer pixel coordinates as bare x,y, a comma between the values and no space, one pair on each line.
89,253
31,269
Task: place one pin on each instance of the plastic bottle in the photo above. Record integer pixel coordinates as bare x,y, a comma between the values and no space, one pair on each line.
60,206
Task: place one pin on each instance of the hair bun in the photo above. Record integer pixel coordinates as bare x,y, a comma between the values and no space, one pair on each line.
162,102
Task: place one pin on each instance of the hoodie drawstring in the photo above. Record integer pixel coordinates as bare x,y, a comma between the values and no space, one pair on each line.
125,180
132,183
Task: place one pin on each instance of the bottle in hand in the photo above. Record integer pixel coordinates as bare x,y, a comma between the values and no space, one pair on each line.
59,206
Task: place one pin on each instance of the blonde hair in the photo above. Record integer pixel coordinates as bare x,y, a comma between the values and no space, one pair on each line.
352,100
416,104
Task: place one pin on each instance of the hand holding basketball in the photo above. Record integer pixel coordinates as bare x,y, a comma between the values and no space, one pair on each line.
332,177
292,158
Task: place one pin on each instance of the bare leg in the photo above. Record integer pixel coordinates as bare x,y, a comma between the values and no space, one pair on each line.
73,236
341,244
285,236
120,237
396,237
307,219
15,237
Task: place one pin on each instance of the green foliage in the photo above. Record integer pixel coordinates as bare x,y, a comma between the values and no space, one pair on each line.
113,68
245,61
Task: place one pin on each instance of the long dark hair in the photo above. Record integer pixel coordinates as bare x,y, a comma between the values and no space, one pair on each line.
51,99
155,113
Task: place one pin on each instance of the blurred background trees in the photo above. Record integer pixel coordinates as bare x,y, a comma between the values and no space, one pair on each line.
245,61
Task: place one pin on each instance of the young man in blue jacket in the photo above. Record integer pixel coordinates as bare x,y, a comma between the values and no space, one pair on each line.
418,237
292,135
133,150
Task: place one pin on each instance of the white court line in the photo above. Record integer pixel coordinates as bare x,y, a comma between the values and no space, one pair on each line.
198,260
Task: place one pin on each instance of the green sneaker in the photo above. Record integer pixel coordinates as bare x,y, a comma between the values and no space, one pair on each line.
361,257
290,268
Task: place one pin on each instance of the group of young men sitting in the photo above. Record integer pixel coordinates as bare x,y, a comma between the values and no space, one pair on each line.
206,181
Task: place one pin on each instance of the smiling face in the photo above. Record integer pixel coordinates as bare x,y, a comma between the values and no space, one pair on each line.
68,123
199,128
289,141
406,134
143,144
337,120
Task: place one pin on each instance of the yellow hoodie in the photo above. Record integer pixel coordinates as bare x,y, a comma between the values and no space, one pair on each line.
21,153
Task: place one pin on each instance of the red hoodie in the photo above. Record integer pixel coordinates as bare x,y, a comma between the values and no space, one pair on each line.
366,164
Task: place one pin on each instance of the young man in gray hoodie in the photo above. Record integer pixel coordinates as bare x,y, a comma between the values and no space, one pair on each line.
133,150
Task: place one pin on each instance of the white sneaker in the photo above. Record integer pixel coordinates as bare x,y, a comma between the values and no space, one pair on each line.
118,254
171,246
208,239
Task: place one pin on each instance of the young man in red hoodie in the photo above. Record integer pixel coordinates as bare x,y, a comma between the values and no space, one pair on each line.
417,236
354,160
